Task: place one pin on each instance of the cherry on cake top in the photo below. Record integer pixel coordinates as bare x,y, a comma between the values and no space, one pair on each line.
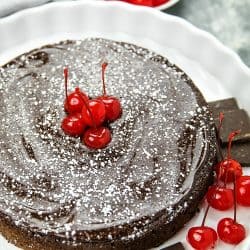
73,125
74,101
94,113
112,104
97,138
86,116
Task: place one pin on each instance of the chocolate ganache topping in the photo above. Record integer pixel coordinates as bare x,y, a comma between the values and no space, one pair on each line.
51,183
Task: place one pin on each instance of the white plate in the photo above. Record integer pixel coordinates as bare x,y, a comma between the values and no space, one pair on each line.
216,70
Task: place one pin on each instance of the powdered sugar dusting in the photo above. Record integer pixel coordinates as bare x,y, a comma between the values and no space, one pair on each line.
53,183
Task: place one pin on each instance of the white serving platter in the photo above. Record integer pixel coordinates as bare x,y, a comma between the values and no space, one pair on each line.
215,69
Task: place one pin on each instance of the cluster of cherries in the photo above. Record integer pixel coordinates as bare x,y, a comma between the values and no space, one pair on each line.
88,118
150,3
221,197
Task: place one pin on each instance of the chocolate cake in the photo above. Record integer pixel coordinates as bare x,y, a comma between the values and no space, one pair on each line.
55,193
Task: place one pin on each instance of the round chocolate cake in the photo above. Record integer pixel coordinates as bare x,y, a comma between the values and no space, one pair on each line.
55,193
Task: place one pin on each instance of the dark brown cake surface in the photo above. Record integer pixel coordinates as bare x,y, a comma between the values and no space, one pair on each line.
157,166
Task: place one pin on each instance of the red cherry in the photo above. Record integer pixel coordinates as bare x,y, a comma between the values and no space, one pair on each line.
230,231
159,2
73,102
97,138
112,104
94,113
202,238
227,168
220,198
73,125
141,2
243,190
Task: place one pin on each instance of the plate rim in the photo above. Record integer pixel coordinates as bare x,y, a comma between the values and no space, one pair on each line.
163,16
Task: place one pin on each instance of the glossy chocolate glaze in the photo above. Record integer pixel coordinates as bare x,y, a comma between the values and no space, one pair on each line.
52,184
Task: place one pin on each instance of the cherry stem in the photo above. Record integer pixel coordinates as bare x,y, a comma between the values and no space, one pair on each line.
66,76
225,182
235,199
230,139
226,177
205,216
104,66
221,118
87,106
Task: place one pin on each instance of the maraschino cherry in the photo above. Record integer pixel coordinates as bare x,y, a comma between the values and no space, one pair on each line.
229,230
229,168
159,2
73,125
94,113
220,198
141,2
91,114
202,237
112,104
75,100
223,198
243,190
97,138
